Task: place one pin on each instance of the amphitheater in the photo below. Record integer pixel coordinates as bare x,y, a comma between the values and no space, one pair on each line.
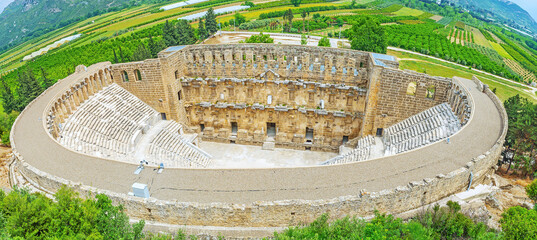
361,135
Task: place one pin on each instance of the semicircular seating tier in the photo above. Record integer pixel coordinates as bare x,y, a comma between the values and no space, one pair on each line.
430,126
117,125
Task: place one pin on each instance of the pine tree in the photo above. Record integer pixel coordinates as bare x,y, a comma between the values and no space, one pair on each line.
210,21
202,32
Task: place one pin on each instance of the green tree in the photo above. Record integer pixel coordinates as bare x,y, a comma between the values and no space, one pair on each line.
115,56
288,16
522,132
368,35
141,53
210,22
531,190
8,100
153,47
34,216
239,19
168,34
519,223
202,32
47,82
261,38
303,14
29,88
324,42
185,33
303,39
248,3
339,22
296,3
6,121
121,55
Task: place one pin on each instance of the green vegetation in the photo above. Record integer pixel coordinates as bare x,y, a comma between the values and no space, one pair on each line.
25,215
33,216
368,35
519,223
445,21
505,89
521,135
423,38
261,38
324,42
531,190
438,223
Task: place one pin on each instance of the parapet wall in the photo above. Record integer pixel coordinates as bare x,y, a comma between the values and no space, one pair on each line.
327,65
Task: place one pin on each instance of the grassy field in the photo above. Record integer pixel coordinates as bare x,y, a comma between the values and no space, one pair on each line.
504,89
408,12
500,50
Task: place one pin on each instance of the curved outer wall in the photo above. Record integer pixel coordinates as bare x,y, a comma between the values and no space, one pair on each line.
281,212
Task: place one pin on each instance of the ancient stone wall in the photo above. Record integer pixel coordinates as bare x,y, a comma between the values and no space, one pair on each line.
406,93
145,80
274,213
289,212
330,111
326,65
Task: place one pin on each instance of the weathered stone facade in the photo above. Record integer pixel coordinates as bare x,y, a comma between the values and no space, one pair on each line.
295,96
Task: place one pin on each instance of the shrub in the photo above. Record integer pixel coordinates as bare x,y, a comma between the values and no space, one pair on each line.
531,190
324,42
261,38
519,223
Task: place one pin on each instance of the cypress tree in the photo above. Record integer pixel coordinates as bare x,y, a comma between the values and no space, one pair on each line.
210,21
141,53
121,55
46,81
153,47
115,56
186,33
202,32
29,88
8,101
168,34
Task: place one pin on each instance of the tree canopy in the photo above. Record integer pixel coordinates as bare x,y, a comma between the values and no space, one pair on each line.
368,35
210,21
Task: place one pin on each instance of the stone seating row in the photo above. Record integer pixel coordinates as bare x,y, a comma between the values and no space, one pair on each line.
106,125
170,148
360,153
429,126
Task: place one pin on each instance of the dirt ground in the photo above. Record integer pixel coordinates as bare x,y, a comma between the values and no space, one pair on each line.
511,193
4,171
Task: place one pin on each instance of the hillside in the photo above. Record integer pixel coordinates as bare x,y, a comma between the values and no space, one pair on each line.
24,19
502,11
